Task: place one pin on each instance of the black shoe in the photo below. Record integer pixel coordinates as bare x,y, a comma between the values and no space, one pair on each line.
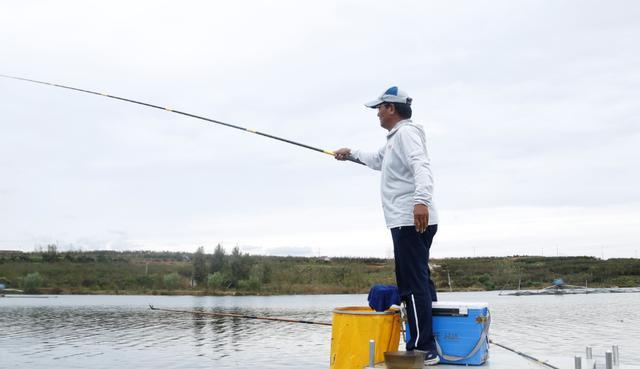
431,358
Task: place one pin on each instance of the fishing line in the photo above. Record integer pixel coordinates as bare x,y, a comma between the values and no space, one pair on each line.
328,152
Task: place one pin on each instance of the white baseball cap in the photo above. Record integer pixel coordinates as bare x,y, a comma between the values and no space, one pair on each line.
391,95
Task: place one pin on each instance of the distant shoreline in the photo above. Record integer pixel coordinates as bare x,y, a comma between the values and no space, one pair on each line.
238,274
57,292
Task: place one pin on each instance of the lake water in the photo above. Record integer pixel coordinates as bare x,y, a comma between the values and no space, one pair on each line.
121,331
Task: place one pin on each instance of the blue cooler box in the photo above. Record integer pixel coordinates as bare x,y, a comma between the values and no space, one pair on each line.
461,330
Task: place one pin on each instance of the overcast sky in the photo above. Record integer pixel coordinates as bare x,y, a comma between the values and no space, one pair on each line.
531,108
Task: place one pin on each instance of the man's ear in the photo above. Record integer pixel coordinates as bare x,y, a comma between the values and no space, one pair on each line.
392,108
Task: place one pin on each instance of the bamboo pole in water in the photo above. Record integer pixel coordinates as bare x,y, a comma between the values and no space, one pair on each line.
232,315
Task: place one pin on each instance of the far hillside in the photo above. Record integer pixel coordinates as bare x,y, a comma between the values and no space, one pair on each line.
233,272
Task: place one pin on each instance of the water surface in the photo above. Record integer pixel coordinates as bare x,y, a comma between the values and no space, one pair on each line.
121,331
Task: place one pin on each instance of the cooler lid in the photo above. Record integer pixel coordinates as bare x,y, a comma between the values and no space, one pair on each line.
459,304
456,308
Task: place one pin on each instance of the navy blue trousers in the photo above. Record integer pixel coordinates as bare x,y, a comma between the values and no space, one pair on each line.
417,290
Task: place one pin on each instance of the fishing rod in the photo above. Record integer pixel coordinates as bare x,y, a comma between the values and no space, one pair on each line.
231,315
328,152
524,355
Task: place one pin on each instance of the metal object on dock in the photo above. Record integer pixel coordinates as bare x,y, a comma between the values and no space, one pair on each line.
608,360
372,353
611,360
404,360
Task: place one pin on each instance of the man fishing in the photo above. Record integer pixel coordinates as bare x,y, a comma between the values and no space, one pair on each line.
407,202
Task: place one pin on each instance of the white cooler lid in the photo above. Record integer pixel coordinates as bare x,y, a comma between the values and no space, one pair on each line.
458,305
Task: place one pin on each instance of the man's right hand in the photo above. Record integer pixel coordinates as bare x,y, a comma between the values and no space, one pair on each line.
342,154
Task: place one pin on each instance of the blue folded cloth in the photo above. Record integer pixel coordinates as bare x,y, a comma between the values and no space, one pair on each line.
381,297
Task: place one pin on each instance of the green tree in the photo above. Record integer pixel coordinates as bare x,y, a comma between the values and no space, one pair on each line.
216,281
266,272
485,279
260,271
32,282
5,281
144,281
199,265
251,284
218,259
51,255
239,266
172,281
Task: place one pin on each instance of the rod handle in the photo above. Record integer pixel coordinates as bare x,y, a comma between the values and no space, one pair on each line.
351,158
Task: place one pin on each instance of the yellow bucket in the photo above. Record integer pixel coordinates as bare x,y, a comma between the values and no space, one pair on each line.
352,329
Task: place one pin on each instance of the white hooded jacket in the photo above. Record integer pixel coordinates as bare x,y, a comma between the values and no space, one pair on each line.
406,174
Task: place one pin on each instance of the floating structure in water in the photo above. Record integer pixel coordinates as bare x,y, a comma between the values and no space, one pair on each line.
560,288
4,290
576,291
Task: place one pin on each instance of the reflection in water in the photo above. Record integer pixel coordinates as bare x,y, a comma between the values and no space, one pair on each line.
120,331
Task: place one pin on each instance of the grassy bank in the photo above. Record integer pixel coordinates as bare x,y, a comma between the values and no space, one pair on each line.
110,272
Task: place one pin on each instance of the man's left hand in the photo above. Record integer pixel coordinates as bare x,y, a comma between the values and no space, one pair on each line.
421,217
